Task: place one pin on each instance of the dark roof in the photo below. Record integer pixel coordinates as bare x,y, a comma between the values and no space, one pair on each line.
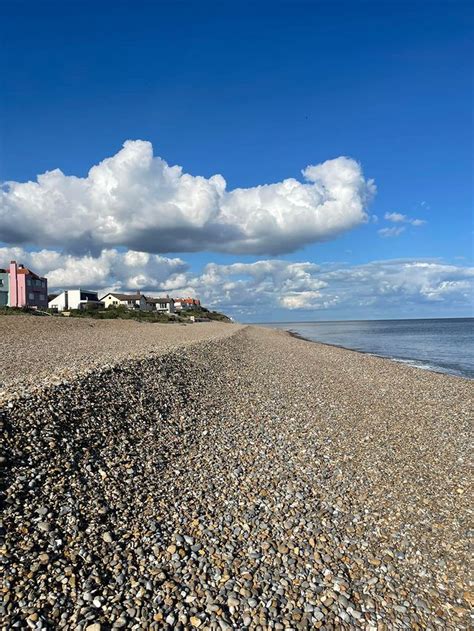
155,301
123,296
25,270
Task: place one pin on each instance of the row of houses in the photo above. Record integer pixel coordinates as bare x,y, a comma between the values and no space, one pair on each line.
20,287
82,299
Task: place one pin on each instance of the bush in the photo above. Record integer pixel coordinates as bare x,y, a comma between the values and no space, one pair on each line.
205,313
122,313
16,310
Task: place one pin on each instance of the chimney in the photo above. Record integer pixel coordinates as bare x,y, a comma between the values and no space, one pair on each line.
13,285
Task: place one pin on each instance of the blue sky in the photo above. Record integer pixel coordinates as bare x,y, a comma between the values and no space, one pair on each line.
256,92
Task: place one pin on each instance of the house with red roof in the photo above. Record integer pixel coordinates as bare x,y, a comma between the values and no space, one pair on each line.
181,304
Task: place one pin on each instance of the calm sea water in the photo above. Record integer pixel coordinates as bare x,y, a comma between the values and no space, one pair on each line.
445,345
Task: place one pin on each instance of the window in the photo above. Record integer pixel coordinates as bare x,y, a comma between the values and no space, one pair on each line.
31,296
88,295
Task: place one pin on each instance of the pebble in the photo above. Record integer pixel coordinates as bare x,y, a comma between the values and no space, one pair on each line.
249,481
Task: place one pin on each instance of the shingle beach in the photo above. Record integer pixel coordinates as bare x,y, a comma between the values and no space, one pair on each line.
37,351
216,476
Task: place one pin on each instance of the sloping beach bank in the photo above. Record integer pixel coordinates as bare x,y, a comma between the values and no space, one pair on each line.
37,351
253,480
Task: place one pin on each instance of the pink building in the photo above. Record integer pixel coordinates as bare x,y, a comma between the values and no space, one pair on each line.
26,289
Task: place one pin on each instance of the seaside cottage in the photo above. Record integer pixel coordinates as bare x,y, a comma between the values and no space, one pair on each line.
163,305
26,289
75,299
130,301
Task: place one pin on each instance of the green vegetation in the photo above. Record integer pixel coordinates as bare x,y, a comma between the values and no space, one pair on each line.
205,313
13,311
122,313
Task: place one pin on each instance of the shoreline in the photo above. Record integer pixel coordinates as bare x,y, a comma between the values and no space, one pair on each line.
209,482
398,360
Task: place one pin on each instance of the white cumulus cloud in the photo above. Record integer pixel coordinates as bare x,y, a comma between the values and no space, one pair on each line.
138,201
111,269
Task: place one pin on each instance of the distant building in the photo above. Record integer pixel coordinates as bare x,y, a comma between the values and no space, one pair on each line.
131,301
4,284
164,305
26,289
187,303
75,299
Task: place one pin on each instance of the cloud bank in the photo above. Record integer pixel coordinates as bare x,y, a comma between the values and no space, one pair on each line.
138,201
260,288
111,269
381,286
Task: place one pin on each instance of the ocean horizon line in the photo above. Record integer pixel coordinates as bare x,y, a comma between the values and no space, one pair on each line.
360,320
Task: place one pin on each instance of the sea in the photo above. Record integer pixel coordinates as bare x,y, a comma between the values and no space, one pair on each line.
442,345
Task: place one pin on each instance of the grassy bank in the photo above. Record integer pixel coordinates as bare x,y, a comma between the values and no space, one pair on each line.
122,313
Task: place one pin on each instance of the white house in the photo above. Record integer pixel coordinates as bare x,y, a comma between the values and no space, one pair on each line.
163,305
131,301
75,299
